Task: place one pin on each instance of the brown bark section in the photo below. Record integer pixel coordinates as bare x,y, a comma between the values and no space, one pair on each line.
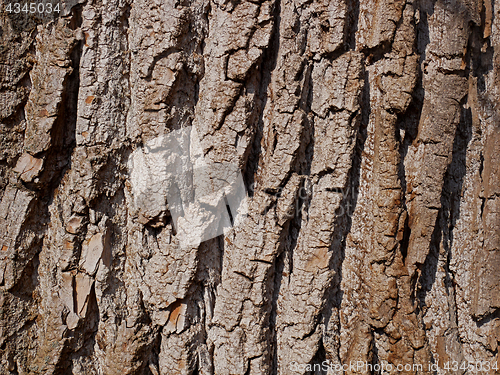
368,136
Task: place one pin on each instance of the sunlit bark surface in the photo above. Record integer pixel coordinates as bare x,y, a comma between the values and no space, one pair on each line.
368,137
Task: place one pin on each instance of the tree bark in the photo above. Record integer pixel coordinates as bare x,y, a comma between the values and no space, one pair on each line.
368,137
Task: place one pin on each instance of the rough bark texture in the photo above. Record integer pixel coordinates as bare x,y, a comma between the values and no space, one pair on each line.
368,134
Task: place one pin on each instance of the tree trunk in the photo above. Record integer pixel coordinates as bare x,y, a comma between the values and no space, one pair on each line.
367,135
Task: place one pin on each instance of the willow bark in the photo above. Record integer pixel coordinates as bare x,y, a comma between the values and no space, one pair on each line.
368,136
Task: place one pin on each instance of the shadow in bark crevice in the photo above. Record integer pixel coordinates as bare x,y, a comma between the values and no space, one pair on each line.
447,217
267,67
